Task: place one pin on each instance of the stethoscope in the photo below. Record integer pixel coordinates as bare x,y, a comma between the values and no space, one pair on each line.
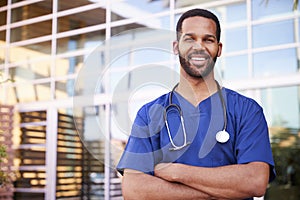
221,136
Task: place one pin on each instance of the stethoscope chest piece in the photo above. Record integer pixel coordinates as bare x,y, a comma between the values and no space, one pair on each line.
222,136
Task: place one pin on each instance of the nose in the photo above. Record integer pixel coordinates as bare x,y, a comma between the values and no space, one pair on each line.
198,45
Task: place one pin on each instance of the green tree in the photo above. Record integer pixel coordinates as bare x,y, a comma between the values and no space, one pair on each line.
5,178
295,4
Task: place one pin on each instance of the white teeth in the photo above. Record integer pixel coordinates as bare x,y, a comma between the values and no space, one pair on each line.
198,59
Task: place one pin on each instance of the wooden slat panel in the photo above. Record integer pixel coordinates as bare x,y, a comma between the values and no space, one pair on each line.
31,152
69,159
75,163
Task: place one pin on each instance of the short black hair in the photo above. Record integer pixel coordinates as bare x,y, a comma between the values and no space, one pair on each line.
201,13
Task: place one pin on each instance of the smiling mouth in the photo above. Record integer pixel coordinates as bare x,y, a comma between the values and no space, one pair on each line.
198,61
198,58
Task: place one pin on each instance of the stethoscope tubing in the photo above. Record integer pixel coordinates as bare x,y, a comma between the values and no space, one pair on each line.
223,106
221,136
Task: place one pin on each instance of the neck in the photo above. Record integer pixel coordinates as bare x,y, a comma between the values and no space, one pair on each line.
196,91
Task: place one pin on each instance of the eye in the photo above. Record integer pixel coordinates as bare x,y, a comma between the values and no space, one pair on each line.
188,39
209,40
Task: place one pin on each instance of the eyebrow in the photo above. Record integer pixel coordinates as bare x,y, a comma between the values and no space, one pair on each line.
193,34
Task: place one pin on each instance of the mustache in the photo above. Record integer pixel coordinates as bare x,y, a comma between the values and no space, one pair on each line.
199,53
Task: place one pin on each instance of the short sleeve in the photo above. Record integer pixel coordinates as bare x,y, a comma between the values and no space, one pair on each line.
138,153
252,142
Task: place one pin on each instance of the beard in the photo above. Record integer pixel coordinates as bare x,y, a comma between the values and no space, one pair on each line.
193,72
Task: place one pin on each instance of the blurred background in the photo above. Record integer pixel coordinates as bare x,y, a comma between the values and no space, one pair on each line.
62,131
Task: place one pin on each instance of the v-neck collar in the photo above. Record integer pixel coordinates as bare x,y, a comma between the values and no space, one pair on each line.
188,105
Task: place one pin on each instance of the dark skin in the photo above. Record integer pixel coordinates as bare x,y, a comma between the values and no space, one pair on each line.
198,48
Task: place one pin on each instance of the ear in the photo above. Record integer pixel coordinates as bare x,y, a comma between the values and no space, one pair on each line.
175,47
220,49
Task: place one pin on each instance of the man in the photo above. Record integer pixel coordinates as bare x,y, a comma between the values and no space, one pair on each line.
237,166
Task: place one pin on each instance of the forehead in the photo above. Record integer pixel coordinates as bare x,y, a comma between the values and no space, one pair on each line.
199,25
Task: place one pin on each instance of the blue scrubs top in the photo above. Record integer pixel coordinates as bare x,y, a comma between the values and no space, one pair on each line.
149,142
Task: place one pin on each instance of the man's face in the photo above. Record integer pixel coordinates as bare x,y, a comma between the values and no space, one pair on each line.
198,47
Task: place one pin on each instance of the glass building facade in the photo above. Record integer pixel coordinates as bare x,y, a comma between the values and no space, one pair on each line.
85,58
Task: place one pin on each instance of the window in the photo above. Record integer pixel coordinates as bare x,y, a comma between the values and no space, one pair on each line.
80,41
236,39
31,11
31,31
135,8
236,67
3,16
236,12
278,62
282,106
275,33
81,20
265,9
